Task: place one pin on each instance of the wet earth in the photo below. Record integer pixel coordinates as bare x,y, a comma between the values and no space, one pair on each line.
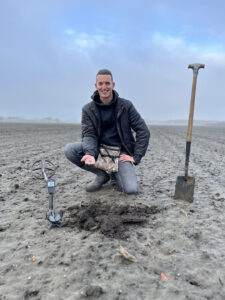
112,220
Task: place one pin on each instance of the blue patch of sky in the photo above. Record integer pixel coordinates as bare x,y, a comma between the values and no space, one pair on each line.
134,24
192,34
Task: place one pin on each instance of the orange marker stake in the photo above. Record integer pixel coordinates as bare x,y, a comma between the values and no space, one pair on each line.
163,276
33,258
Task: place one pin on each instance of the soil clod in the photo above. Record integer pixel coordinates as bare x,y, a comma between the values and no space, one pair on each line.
92,291
29,294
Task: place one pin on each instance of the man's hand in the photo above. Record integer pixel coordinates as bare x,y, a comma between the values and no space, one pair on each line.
125,157
88,159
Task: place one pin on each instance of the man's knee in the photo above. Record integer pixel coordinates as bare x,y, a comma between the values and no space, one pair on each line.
68,150
74,152
130,189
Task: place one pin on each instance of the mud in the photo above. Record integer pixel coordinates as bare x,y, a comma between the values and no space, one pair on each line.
109,219
178,246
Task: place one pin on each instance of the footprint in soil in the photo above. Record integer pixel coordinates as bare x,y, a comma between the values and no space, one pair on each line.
29,294
110,219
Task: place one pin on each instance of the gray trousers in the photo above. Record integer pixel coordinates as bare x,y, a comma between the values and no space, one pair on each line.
125,177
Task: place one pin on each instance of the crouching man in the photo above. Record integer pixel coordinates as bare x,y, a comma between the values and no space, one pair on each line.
108,145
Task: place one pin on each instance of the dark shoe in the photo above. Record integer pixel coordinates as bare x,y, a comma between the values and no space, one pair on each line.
97,183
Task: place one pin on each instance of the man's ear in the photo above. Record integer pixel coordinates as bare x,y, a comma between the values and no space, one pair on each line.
113,85
96,86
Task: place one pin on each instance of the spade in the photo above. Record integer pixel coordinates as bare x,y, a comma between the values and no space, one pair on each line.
184,189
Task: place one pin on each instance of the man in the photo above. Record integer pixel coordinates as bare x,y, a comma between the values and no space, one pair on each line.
109,119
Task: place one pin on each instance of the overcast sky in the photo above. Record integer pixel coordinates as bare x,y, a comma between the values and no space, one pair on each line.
51,50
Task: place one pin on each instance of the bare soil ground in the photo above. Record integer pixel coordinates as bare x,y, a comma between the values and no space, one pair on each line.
179,246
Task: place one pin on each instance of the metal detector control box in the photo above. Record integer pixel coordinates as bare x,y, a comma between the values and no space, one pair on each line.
51,186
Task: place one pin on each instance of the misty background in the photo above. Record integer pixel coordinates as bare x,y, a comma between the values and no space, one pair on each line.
51,50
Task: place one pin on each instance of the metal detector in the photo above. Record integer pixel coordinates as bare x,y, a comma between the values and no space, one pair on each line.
40,169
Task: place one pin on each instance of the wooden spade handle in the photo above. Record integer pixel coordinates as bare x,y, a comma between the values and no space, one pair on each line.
191,113
195,68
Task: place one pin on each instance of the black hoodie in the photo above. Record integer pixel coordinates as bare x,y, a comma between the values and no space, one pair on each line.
107,113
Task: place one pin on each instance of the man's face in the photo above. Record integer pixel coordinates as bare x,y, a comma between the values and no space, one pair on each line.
104,85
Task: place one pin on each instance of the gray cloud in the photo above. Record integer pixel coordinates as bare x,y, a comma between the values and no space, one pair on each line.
50,52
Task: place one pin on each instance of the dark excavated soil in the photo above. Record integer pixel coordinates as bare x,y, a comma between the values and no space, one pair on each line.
112,220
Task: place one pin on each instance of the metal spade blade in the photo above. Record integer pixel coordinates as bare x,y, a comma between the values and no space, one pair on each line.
184,189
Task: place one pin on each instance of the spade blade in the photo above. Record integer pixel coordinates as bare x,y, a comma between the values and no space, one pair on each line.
184,189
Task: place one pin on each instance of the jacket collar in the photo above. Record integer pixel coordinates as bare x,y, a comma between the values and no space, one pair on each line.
119,103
